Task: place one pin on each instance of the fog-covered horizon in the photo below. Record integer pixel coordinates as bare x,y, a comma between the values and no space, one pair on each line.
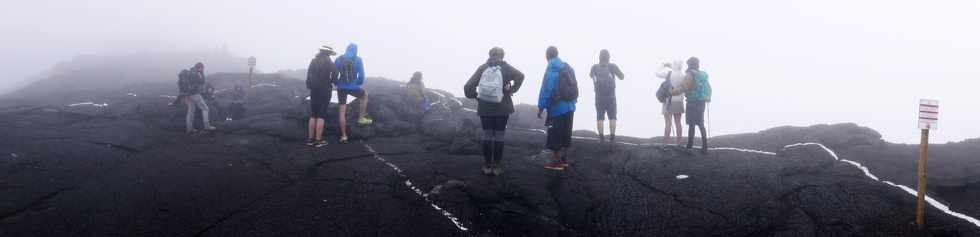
772,63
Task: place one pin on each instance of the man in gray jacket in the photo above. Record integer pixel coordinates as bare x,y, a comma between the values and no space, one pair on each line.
194,100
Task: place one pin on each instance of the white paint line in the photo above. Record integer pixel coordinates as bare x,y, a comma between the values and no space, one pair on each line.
914,193
683,176
742,150
14,155
88,103
169,96
469,110
264,85
131,94
408,183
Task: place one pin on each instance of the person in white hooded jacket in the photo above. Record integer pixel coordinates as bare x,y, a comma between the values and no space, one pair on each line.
673,108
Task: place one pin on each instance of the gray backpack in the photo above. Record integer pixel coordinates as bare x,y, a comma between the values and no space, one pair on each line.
491,87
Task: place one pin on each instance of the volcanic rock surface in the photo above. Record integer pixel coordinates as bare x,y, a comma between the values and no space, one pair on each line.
115,162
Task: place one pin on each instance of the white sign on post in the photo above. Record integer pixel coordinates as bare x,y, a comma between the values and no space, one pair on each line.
251,61
928,114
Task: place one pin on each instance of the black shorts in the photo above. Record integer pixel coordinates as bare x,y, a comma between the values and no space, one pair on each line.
560,132
494,123
605,106
695,113
319,102
342,95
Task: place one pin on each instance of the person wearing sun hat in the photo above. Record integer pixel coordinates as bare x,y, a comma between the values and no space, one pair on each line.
320,76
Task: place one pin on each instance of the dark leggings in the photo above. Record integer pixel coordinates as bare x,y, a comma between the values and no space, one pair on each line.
493,138
690,136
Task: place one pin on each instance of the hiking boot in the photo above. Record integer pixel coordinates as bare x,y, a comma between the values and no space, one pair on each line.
554,166
320,143
497,170
310,142
365,121
343,140
612,138
487,170
563,164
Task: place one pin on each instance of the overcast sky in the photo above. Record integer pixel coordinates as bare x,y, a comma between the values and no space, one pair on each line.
771,63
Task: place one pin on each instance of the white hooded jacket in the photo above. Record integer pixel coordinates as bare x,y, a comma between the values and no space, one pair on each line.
676,77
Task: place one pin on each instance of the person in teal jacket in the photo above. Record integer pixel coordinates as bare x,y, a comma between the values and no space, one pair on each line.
560,112
698,92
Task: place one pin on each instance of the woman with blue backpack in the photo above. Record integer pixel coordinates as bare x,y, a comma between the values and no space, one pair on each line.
492,85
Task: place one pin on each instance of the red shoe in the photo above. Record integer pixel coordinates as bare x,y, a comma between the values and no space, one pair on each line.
563,164
554,166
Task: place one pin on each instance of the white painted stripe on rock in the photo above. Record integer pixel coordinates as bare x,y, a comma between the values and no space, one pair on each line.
914,193
424,196
88,103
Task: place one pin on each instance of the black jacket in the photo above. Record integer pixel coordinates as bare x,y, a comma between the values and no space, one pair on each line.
321,74
513,79
196,82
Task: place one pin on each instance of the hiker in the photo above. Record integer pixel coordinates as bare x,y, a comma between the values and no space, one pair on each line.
237,107
673,105
492,85
698,92
192,97
559,92
319,78
349,81
416,90
604,77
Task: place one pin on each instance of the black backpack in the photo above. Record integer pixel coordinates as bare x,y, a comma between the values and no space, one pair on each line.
347,73
567,88
605,81
184,81
664,92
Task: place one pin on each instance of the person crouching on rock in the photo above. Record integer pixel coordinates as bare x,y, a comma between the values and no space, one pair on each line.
349,81
319,78
492,85
698,92
195,101
559,92
416,90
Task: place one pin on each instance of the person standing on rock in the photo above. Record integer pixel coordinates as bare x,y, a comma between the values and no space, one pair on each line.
698,92
559,92
319,78
415,89
492,85
673,106
349,82
195,101
604,77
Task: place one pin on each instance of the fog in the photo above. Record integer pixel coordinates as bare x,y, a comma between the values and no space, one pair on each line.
772,63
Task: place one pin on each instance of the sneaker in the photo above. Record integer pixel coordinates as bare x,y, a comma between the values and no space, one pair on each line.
554,166
365,121
210,128
310,142
343,140
612,138
320,143
563,164
497,170
487,170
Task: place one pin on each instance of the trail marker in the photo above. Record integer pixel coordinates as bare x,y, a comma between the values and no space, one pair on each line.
928,120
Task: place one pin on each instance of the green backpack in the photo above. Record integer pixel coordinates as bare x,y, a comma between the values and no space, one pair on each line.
702,89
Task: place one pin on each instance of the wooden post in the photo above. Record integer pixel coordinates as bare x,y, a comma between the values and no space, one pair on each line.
923,158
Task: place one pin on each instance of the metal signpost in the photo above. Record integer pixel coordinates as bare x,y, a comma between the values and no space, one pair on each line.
251,67
928,120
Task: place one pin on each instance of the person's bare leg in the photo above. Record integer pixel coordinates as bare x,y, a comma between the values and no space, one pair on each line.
667,127
319,128
599,128
363,106
312,128
612,128
342,119
680,128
